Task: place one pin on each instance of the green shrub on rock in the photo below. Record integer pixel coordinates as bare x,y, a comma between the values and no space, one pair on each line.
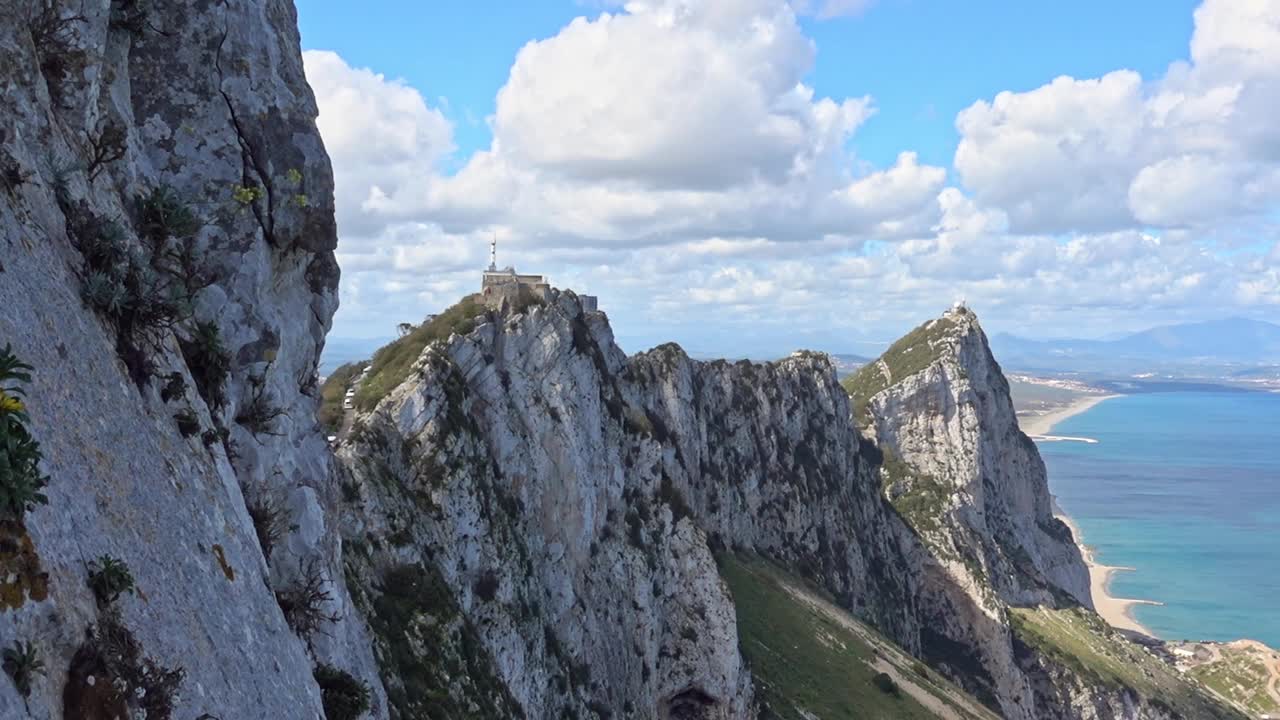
21,482
209,362
22,663
344,697
109,578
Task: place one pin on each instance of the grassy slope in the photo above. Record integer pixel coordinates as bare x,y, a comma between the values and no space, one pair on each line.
392,364
1082,642
914,352
332,393
812,660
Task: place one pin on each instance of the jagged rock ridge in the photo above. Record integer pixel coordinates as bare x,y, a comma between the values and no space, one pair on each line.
570,498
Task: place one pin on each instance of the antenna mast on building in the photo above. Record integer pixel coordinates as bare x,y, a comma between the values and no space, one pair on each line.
493,253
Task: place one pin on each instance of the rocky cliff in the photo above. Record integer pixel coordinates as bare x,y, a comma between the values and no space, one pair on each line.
973,489
960,470
565,505
166,269
522,522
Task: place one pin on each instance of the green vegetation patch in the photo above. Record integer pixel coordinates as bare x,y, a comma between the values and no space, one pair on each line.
21,482
1240,676
916,351
806,664
1082,642
922,501
344,697
334,391
393,363
434,663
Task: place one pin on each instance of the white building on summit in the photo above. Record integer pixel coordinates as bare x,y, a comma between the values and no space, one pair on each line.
493,278
499,285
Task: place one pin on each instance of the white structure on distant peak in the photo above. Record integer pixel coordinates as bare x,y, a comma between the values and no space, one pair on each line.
959,305
497,285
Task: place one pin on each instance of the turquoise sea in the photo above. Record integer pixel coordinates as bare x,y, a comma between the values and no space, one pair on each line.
1184,488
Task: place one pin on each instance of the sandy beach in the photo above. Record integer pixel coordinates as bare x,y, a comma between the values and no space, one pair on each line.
1038,426
1116,611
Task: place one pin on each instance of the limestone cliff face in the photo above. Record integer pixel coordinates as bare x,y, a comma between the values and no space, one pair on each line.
530,518
960,470
565,499
524,526
166,266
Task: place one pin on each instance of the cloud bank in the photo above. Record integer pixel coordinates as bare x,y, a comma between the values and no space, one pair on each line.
669,157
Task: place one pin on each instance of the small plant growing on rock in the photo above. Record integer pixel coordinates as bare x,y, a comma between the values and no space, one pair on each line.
22,663
109,578
270,522
304,602
53,35
246,194
132,16
21,482
344,697
110,677
137,295
12,175
174,387
259,414
105,146
163,216
209,362
188,423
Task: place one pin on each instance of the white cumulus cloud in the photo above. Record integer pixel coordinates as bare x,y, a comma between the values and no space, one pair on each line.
1197,146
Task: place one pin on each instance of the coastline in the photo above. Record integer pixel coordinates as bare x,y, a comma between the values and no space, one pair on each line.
1038,426
1118,612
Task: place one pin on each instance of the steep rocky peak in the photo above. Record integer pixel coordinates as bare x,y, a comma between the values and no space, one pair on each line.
942,340
959,469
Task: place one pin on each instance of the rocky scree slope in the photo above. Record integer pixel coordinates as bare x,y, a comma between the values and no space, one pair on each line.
167,271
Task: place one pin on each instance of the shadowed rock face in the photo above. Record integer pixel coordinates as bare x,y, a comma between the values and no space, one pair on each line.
101,109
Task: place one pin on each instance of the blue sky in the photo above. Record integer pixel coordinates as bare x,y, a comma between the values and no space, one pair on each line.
922,61
752,176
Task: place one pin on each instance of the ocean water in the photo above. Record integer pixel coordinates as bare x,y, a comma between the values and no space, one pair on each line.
1185,489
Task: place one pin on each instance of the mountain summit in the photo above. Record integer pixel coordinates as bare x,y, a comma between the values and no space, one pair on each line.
958,467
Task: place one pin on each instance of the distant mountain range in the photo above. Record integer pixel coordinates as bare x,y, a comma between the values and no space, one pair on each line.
1234,341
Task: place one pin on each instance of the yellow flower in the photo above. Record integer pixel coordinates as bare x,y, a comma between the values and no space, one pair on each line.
10,404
